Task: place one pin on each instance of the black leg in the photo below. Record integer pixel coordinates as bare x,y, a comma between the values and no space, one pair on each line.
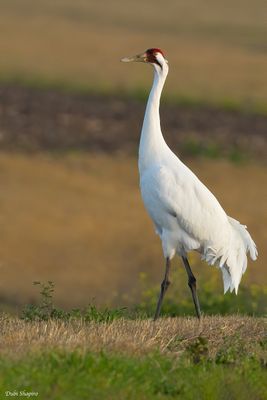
164,286
192,285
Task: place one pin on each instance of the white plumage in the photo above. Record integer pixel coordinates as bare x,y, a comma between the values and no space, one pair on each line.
186,215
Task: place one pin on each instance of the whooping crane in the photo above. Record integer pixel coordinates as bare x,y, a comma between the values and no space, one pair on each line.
186,215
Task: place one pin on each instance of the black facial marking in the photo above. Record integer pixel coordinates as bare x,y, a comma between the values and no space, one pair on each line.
158,63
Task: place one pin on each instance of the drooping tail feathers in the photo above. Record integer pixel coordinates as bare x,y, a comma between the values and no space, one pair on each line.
233,260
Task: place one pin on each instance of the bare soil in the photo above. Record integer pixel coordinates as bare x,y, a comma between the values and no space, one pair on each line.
32,120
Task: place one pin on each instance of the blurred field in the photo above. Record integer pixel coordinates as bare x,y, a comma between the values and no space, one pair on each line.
33,120
217,50
78,220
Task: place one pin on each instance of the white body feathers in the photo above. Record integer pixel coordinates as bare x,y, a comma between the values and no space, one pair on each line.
186,214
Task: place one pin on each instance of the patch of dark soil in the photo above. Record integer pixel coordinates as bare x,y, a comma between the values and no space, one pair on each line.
33,120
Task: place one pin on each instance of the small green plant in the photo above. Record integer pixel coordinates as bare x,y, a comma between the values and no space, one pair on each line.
46,309
91,313
46,292
198,350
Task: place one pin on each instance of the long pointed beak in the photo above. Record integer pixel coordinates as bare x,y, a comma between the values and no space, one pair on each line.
138,58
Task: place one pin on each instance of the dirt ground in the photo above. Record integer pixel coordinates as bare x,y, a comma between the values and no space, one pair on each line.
32,120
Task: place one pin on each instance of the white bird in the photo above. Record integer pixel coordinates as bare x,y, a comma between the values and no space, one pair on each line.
186,215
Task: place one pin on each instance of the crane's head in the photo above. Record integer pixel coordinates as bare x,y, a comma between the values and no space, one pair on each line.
152,56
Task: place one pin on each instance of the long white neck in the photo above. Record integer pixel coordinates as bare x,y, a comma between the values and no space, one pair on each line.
152,144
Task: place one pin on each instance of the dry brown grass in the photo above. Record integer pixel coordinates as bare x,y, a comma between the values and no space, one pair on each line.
169,336
79,221
215,50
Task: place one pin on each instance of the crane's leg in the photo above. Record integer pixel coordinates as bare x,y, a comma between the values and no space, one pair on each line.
163,289
192,285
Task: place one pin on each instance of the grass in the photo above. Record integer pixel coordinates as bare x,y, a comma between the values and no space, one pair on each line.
60,222
58,375
216,52
137,336
221,358
117,354
251,300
